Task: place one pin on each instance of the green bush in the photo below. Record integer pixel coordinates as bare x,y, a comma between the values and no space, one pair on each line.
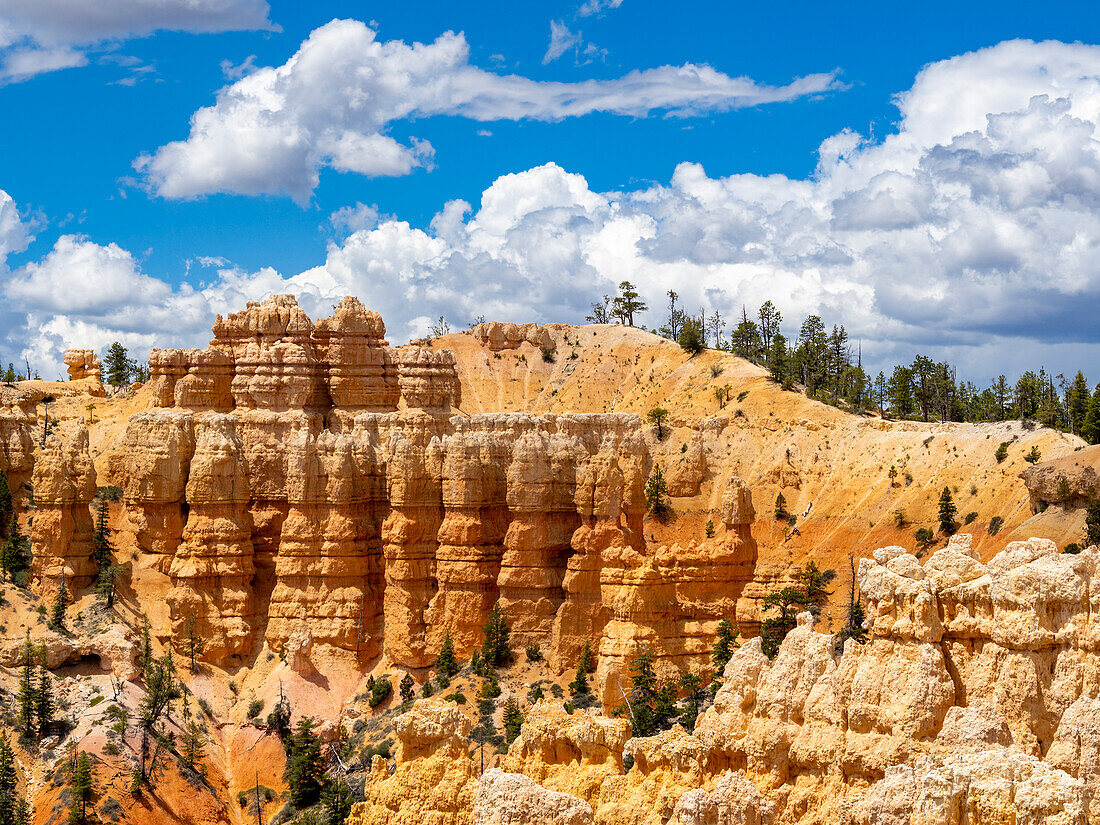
380,691
970,517
254,708
995,525
534,652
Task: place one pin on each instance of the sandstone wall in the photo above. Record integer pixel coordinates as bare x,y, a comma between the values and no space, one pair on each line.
303,476
973,702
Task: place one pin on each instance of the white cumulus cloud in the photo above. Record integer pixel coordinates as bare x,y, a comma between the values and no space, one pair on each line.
39,36
972,233
331,104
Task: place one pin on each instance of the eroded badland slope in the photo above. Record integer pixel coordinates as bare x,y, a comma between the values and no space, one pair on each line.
321,508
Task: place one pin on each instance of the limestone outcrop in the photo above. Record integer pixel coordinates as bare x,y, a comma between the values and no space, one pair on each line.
300,475
84,365
61,533
513,799
500,336
973,700
1070,479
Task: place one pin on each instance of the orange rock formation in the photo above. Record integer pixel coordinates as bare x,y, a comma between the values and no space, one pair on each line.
305,475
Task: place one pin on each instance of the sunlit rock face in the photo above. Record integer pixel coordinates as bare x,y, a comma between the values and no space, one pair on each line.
303,476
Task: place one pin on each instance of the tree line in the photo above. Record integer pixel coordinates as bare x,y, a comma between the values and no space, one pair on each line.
822,362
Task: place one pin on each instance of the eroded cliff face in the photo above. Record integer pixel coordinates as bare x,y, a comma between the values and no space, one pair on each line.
973,702
299,475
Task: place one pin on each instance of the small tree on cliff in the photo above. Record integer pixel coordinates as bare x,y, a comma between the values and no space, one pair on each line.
305,765
656,495
117,366
6,505
15,556
80,788
657,417
408,689
28,689
60,602
194,644
1092,524
948,511
781,513
775,628
495,650
445,663
724,646
587,661
813,582
513,720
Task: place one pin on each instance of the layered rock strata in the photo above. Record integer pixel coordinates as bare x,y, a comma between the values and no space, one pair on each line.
302,475
61,531
973,702
84,365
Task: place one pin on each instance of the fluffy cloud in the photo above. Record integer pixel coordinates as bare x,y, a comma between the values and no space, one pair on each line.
331,104
39,36
973,233
15,234
590,7
561,41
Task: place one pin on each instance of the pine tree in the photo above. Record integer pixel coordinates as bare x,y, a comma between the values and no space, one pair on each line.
445,663
43,700
495,650
305,765
9,782
774,629
194,745
106,584
408,689
80,789
656,495
28,689
117,366
781,513
145,658
1092,524
724,645
194,644
643,692
627,303
692,686
101,537
7,507
15,552
948,511
336,800
813,582
1091,429
579,685
587,660
60,602
513,720
691,336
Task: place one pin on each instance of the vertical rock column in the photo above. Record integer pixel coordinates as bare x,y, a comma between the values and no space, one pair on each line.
213,567
325,576
599,504
61,535
409,539
471,537
155,461
541,487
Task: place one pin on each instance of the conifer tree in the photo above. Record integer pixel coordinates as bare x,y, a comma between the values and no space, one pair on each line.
513,720
194,644
9,782
724,645
117,366
813,582
446,663
15,552
102,550
60,602
305,765
947,511
336,801
407,688
28,689
692,686
781,513
106,584
43,700
587,662
579,685
495,650
7,507
80,789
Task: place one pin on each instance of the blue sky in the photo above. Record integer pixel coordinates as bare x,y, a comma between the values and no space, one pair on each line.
151,239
